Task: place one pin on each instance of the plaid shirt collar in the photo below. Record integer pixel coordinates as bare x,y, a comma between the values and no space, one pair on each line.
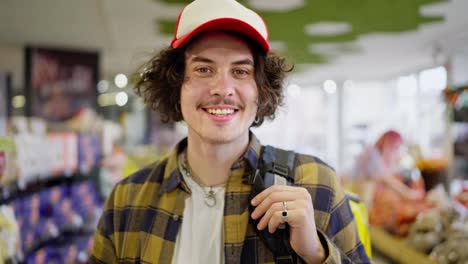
173,177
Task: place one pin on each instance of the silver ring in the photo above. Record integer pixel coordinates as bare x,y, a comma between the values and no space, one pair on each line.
285,206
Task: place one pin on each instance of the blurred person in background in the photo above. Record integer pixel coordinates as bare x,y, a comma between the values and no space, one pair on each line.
193,205
379,164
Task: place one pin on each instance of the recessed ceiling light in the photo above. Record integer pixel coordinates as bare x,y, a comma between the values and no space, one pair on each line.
121,80
276,5
328,28
435,9
103,86
121,98
329,86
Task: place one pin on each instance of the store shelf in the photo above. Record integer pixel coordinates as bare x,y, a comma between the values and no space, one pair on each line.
14,190
65,236
396,248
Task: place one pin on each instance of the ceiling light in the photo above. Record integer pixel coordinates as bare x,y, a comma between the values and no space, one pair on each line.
121,98
18,101
103,86
276,5
328,28
329,86
121,80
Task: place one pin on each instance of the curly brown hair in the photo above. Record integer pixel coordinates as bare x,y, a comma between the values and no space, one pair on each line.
159,82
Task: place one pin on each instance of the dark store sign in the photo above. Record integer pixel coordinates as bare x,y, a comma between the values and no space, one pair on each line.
60,83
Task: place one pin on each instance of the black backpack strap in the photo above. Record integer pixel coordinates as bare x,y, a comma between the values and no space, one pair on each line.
279,162
275,166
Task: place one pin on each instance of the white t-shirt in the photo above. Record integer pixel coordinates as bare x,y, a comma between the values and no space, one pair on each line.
200,239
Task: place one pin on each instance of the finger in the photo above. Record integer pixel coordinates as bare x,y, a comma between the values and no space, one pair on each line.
276,197
274,188
298,213
271,211
291,194
277,219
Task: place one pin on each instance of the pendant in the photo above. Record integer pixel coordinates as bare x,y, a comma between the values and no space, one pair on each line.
210,198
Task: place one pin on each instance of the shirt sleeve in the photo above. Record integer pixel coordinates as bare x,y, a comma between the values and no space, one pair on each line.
340,237
336,226
103,250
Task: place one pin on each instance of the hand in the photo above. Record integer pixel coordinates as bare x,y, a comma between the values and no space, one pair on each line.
414,195
303,233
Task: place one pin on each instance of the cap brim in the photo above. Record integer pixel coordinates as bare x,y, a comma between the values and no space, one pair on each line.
228,24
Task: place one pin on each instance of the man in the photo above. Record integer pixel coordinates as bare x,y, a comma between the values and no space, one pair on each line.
192,206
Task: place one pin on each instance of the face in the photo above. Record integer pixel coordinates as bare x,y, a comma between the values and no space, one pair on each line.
391,152
219,93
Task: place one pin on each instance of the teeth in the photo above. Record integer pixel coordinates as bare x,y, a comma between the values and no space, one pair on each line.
220,111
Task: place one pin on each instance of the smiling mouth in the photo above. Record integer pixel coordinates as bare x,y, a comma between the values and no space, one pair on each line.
220,112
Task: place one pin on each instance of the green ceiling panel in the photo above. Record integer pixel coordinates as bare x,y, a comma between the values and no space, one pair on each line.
363,16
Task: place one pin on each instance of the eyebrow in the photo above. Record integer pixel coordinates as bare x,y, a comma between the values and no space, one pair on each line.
201,59
207,60
242,62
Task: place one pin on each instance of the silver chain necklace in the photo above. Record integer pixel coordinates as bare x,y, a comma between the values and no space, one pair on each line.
210,195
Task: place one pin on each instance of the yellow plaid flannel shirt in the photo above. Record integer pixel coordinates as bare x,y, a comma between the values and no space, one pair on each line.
144,212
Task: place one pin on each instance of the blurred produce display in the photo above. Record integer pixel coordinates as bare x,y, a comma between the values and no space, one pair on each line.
436,226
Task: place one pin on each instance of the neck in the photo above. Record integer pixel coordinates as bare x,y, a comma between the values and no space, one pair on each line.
212,162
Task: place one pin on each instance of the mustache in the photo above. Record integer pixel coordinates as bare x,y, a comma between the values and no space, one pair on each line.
222,101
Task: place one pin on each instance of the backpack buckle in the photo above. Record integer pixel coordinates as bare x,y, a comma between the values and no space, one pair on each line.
280,170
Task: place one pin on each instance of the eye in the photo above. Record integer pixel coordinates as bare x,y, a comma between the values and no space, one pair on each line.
203,70
241,72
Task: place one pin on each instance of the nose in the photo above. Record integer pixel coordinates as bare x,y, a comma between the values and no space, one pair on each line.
224,85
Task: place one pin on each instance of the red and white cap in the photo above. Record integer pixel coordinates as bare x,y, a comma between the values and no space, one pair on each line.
208,15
